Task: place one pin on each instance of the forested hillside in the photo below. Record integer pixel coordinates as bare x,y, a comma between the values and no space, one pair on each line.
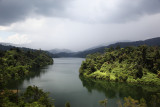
15,64
131,64
9,46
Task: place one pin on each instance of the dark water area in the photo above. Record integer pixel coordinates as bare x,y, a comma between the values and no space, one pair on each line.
118,91
63,83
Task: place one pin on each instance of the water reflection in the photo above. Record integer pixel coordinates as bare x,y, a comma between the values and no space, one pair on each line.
35,72
120,90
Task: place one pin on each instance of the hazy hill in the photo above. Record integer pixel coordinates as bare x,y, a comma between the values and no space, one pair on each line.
149,42
55,51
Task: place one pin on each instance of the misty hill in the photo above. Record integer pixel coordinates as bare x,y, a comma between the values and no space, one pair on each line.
55,51
8,46
106,44
149,42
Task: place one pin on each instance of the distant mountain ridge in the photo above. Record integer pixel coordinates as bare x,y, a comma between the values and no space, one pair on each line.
106,44
68,53
56,51
149,42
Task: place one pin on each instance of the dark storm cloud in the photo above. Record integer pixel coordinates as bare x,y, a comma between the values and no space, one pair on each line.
13,10
17,10
132,10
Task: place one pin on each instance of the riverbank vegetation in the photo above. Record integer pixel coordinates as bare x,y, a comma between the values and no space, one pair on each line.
32,97
131,64
16,64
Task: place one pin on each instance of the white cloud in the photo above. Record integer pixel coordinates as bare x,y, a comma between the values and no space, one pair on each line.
3,28
18,39
1,40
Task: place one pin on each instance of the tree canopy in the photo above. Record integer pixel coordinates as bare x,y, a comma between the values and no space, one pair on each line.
131,64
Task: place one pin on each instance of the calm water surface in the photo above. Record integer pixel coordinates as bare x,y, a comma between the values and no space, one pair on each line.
64,84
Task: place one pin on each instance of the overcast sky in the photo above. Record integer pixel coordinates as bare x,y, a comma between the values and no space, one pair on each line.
77,24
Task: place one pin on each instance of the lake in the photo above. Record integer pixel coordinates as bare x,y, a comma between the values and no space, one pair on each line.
64,84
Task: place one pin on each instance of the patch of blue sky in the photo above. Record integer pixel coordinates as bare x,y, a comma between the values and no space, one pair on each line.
5,34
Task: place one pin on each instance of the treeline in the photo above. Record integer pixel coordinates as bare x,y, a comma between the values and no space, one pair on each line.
16,64
4,47
131,64
32,97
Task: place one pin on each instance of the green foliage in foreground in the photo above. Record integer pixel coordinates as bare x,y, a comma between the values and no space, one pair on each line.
128,102
16,64
131,64
67,104
103,102
32,97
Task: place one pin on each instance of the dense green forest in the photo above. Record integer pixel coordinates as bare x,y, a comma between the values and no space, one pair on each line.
9,47
16,64
131,64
